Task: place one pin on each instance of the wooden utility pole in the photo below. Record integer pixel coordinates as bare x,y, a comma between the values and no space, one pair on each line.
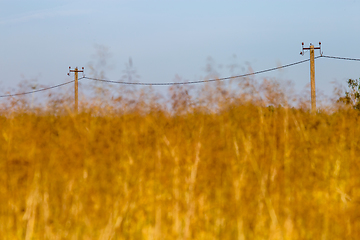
312,79
312,73
76,71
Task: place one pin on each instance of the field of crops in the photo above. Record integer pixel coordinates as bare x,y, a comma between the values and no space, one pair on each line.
240,170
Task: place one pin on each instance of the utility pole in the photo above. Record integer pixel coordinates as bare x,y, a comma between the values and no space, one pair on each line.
312,73
76,71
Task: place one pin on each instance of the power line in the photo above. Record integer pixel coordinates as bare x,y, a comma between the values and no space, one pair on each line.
341,58
180,83
39,90
199,81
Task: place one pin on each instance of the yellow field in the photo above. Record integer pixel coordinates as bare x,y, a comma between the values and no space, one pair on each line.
244,171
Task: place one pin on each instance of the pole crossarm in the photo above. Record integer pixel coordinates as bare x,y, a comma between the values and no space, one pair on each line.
309,48
75,70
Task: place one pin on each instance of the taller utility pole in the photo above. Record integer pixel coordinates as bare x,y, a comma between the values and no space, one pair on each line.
76,71
312,73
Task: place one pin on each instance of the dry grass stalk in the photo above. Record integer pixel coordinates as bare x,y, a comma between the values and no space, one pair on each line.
230,168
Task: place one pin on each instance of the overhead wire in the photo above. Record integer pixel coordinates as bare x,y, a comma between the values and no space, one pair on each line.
38,90
341,58
180,83
199,81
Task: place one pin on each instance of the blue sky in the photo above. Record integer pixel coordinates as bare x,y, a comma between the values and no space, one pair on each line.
41,39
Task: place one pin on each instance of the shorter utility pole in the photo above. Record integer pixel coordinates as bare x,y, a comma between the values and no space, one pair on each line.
76,71
312,73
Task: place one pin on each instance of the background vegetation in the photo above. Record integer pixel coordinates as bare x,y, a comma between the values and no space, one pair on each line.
226,164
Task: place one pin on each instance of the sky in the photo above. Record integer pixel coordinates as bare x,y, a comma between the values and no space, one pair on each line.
164,39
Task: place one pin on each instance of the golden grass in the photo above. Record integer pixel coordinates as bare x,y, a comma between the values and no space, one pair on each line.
242,172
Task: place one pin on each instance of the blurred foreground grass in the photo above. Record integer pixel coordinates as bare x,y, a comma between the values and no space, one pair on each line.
246,171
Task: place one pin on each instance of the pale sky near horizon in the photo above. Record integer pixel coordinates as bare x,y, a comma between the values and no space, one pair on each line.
41,39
